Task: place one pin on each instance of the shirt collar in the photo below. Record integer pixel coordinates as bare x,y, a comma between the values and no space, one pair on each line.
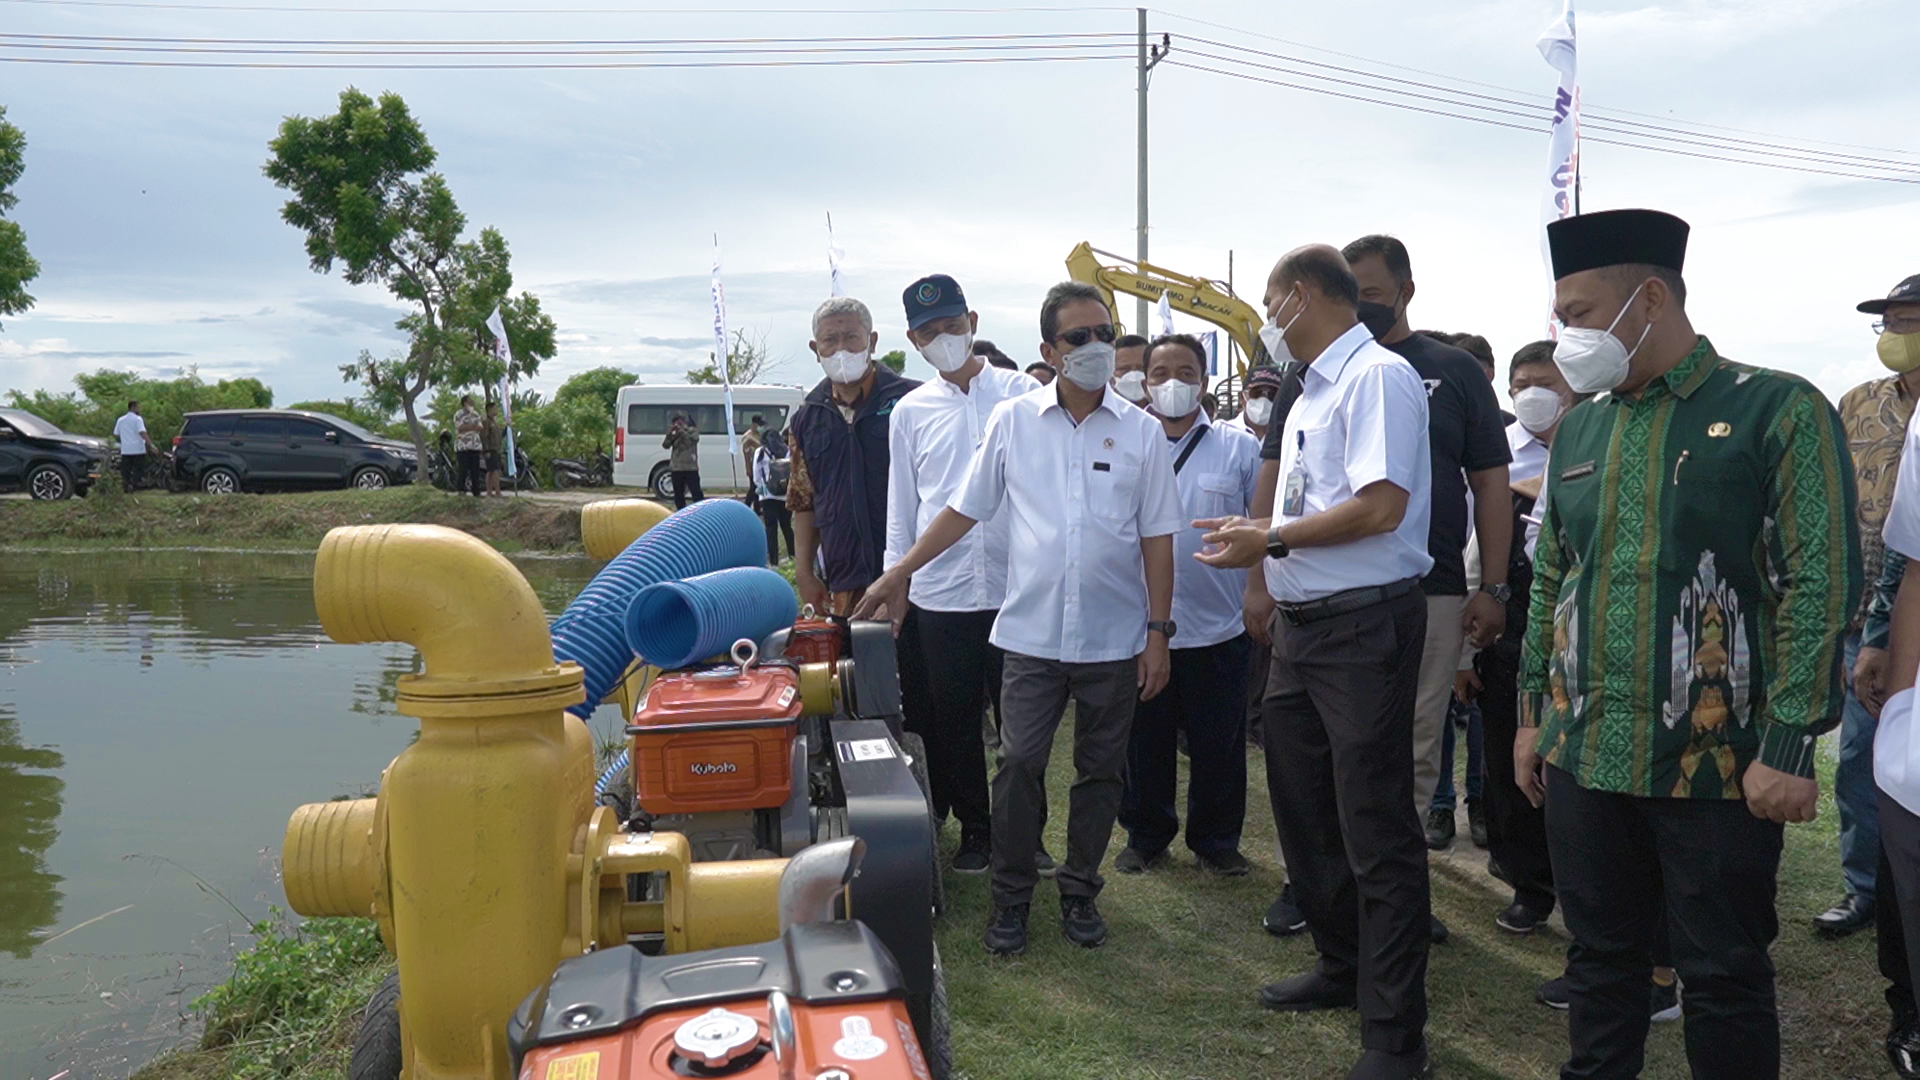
1200,420
1333,359
1683,379
1109,400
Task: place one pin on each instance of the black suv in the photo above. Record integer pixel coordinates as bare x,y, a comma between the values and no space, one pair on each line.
47,462
229,450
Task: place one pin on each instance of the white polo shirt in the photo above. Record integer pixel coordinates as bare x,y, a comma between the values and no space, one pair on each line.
1361,418
1218,480
1529,453
1896,743
932,436
1080,497
129,428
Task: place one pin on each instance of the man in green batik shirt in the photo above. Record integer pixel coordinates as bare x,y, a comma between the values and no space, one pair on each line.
1697,566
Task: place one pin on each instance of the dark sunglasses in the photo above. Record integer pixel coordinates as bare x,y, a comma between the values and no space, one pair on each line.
1080,335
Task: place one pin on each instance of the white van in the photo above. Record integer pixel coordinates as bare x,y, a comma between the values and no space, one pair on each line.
640,425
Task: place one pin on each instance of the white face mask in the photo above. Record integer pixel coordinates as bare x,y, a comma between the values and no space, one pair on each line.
1594,360
1274,336
846,367
1174,399
948,352
1538,408
1132,386
1259,410
1090,366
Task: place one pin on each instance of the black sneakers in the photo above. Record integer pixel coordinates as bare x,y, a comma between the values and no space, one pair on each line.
1007,933
1081,922
1225,864
1044,863
1519,919
1853,913
1134,861
1307,992
1284,918
972,858
1903,1046
1440,829
1476,823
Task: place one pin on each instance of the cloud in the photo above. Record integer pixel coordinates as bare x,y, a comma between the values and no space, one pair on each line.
678,342
56,349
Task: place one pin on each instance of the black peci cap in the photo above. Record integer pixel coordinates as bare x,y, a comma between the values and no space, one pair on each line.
935,296
1907,292
1617,238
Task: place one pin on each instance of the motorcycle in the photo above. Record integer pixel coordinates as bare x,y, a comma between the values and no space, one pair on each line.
570,473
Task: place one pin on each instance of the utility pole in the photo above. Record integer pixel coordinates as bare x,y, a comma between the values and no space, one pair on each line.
1148,58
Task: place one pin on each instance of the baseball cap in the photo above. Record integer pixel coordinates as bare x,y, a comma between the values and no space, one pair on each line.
1265,375
1907,292
935,296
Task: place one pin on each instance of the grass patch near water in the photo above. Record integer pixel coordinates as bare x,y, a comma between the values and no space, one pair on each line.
290,520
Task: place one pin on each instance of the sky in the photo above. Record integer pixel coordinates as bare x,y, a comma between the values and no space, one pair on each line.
162,248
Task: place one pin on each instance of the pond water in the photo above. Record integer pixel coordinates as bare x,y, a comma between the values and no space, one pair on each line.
160,716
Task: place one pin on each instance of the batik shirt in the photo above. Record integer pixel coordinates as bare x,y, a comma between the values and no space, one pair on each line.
1697,567
1875,416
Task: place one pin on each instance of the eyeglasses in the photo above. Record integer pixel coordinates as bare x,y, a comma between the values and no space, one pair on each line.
1880,325
1080,335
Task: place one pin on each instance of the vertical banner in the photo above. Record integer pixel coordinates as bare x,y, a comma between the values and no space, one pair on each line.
720,349
1211,339
504,353
1166,313
1561,198
836,283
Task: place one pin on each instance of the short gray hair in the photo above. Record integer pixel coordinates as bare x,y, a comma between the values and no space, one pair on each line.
842,305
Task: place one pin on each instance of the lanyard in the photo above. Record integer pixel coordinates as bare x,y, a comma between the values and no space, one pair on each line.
1188,452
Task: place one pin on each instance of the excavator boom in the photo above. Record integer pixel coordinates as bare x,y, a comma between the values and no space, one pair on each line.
1195,296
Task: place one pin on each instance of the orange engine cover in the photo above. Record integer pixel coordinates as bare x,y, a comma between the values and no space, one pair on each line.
716,740
870,1040
815,641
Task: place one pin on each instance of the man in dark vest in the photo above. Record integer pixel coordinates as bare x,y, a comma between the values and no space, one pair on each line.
837,490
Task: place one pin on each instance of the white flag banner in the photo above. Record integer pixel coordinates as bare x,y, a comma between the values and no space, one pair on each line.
720,349
1166,313
837,283
504,352
1558,45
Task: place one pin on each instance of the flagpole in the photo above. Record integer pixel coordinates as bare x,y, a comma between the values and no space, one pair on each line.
721,360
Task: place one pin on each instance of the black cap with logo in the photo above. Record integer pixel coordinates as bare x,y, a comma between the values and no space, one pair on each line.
1907,292
935,296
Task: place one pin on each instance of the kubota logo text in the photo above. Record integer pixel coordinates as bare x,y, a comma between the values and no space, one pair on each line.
705,768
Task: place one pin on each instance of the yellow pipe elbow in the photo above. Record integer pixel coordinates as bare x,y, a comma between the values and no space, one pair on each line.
328,862
480,629
607,527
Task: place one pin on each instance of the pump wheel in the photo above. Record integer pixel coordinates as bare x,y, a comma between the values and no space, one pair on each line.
916,750
376,1047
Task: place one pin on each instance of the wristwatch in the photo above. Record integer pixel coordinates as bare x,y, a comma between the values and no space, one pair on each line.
1501,592
1276,547
1165,627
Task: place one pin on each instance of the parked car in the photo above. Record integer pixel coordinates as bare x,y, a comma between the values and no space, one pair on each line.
640,423
227,450
47,463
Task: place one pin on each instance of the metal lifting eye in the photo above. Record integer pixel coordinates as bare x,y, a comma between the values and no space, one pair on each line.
744,653
807,612
786,1048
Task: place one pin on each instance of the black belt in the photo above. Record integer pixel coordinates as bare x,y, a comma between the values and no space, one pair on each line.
1347,602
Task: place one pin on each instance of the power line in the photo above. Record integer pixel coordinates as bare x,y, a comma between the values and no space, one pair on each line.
370,42
384,10
465,66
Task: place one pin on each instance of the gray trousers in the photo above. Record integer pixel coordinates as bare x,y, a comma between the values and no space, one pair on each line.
1033,699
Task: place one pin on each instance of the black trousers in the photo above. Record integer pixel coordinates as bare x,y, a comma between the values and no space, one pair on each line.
945,698
133,468
1516,829
1899,880
686,488
779,522
1206,695
1339,744
1035,695
1719,864
470,474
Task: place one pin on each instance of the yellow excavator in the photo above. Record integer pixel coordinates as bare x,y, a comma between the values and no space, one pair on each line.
1210,300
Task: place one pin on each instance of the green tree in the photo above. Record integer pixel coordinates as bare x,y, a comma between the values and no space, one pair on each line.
16,266
897,360
364,196
602,385
747,360
104,395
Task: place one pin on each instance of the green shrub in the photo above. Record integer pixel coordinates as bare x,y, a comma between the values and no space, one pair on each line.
290,993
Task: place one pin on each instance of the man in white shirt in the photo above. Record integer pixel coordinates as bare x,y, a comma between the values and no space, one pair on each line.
131,430
1263,383
953,600
1215,468
1088,490
1344,554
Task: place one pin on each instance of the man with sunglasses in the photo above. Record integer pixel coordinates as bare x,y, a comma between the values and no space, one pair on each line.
1088,488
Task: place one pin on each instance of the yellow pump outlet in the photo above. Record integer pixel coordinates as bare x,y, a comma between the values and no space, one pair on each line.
480,814
609,526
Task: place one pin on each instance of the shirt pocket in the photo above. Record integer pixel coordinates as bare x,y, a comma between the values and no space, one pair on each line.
1219,495
1111,488
1324,450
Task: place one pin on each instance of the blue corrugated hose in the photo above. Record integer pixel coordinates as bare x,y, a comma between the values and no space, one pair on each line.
715,534
676,623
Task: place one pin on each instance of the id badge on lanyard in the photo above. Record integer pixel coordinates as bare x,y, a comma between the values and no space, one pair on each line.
1294,502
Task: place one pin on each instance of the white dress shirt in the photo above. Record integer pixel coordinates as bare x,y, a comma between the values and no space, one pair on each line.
1896,744
932,437
1361,418
1218,480
1080,498
1529,453
130,427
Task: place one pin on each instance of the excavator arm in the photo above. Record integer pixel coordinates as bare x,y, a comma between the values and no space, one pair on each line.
1198,297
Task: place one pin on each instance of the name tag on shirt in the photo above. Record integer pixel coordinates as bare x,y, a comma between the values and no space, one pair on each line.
1293,502
1102,466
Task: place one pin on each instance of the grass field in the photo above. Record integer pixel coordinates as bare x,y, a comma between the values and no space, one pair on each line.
1171,997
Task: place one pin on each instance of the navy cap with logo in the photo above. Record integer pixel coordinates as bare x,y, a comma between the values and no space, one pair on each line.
1907,292
935,296
1263,375
1616,238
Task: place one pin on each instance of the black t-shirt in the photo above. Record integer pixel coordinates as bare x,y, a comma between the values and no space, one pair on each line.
1465,432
